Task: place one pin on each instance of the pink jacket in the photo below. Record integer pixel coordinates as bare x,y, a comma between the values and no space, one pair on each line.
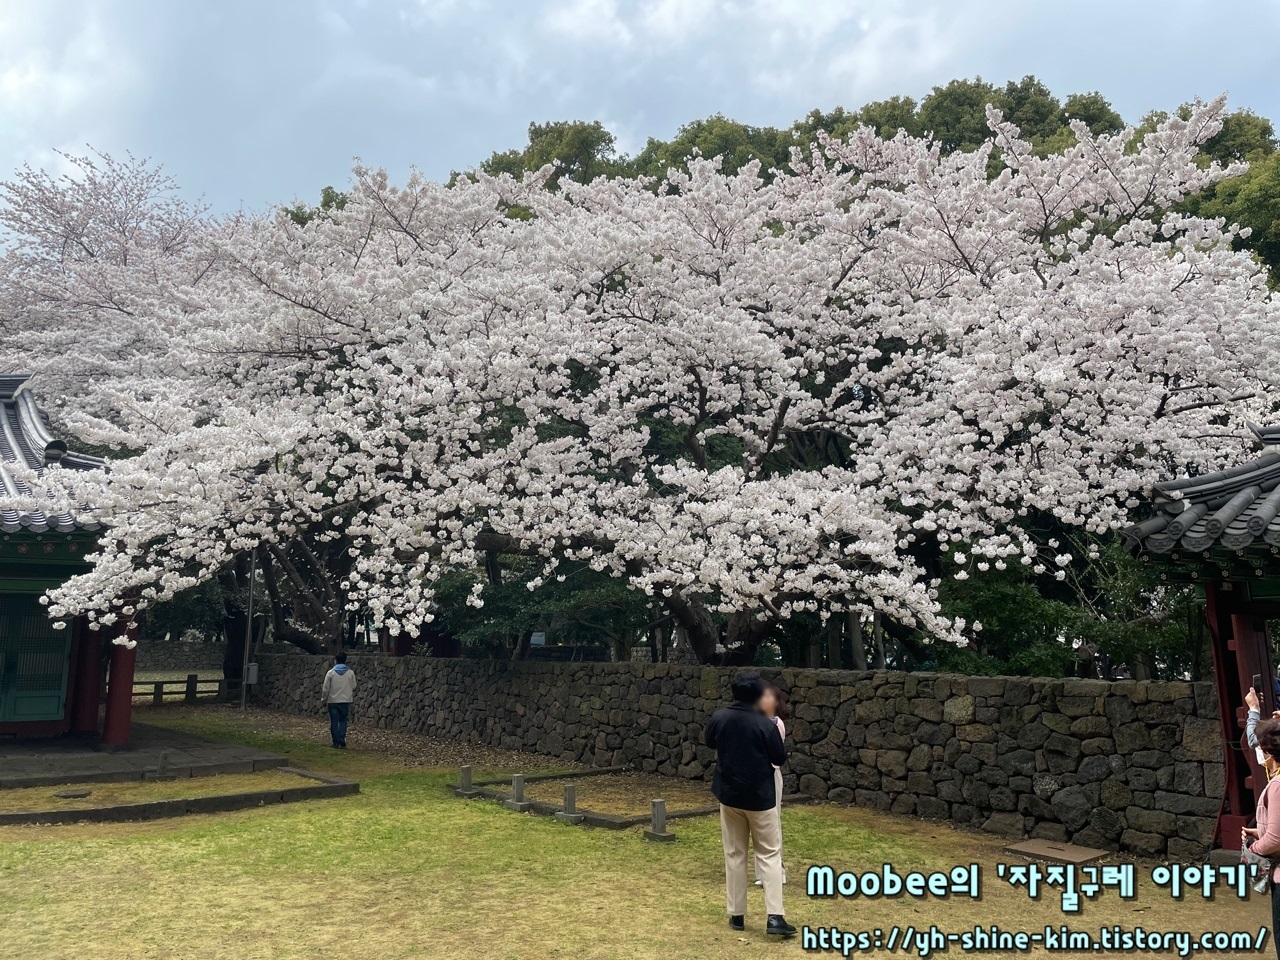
1268,842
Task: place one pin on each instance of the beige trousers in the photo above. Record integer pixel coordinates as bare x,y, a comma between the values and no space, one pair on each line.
764,829
777,788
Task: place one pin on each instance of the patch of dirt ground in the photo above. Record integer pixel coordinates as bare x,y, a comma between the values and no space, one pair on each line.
410,750
40,799
625,794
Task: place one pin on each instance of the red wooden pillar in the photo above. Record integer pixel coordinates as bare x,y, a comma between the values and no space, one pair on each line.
1239,645
115,729
86,685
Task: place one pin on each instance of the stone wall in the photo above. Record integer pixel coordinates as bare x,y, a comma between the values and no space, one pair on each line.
1127,765
175,656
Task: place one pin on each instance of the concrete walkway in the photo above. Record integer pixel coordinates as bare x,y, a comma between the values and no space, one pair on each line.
37,763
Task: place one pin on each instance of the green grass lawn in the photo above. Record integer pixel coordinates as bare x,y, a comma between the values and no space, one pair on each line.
407,870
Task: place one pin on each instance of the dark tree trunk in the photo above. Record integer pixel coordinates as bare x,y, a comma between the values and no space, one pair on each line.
1140,667
742,640
855,640
281,629
1087,665
914,651
745,634
699,627
233,628
834,638
235,582
619,649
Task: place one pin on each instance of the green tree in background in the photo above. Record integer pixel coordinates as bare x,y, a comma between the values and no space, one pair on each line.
586,609
956,114
1032,106
330,199
1253,199
1106,603
582,150
886,117
717,136
1244,136
1095,110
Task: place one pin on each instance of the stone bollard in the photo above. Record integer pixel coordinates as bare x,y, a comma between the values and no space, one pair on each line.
658,829
161,772
517,802
570,812
465,787
193,679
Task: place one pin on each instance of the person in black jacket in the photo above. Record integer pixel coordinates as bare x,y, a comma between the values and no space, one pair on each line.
747,747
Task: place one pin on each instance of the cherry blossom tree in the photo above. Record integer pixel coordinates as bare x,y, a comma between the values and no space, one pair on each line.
822,391
93,259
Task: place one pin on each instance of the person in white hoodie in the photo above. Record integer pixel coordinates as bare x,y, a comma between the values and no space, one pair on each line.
339,690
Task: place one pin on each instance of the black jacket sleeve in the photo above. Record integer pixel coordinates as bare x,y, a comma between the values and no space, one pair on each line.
777,750
709,735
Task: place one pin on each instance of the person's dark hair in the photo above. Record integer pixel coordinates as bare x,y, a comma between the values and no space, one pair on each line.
340,656
784,713
1269,738
747,687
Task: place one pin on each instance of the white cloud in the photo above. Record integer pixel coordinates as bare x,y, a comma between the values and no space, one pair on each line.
588,21
254,103
59,78
902,47
678,21
813,20
419,12
334,22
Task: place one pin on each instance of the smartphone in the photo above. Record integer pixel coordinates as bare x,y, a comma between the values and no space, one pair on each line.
1257,684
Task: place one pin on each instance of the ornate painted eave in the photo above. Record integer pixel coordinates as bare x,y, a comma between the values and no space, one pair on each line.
26,441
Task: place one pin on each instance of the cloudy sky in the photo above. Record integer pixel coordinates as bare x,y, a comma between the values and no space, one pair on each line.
254,102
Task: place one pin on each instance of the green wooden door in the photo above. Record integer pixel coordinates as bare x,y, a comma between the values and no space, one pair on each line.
34,659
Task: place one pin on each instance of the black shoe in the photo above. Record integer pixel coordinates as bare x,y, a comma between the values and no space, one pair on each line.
737,923
778,926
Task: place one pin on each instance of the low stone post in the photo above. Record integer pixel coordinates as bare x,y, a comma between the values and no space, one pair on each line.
161,772
192,680
157,693
465,786
658,829
570,812
517,802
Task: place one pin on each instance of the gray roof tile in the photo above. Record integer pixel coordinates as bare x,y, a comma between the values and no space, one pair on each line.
1233,508
25,439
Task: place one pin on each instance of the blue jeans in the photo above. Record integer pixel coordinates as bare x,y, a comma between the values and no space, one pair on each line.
338,714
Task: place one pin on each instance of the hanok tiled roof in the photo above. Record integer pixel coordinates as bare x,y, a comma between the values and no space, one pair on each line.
1230,509
25,439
